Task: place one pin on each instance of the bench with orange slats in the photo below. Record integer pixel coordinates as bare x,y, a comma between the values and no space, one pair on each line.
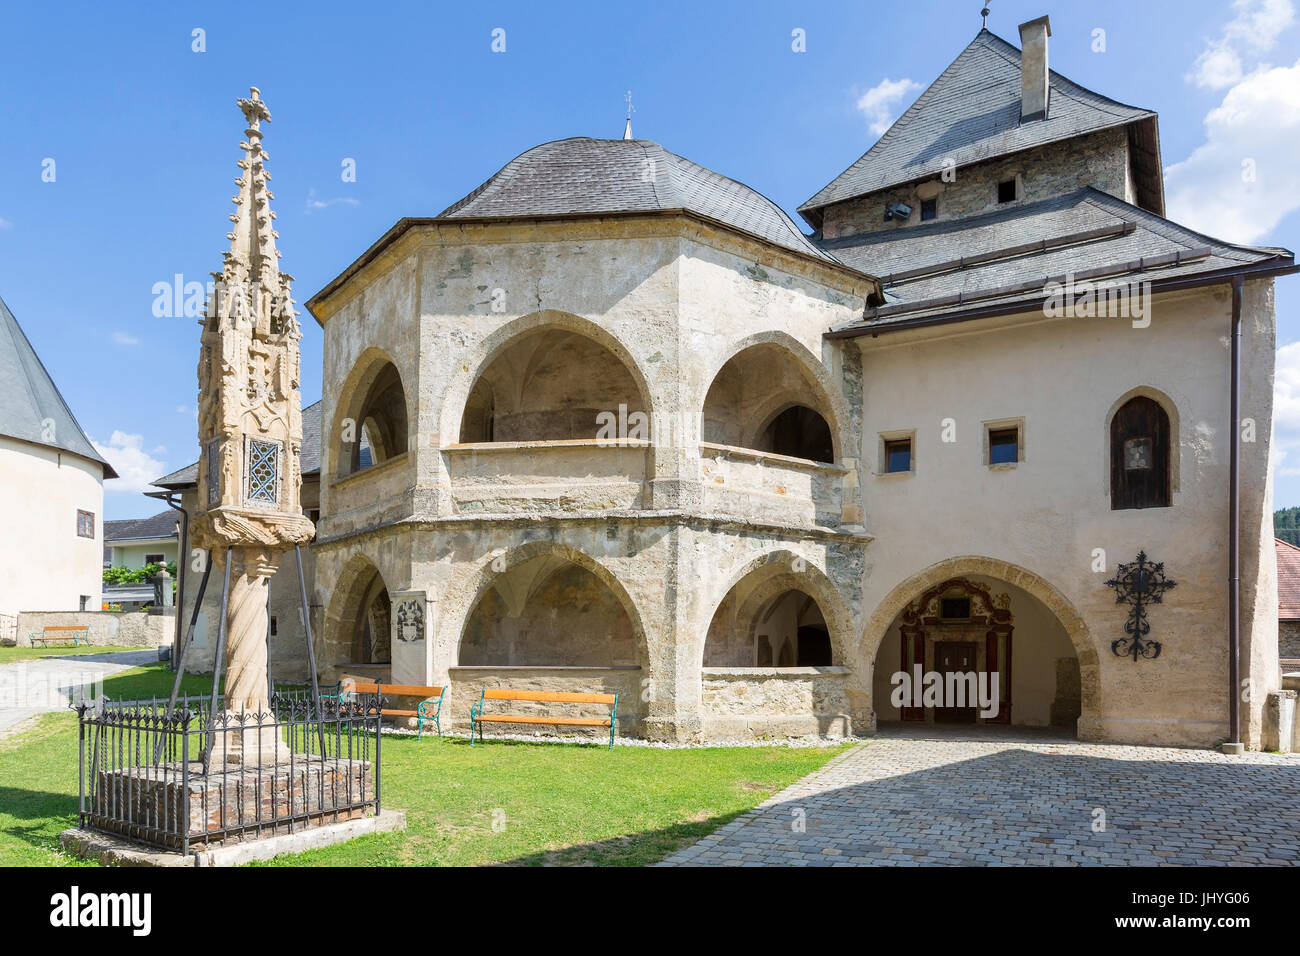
430,708
62,634
477,717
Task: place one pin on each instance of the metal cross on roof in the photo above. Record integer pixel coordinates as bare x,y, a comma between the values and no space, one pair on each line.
1138,584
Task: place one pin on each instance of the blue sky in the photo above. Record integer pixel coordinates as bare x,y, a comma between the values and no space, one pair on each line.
144,135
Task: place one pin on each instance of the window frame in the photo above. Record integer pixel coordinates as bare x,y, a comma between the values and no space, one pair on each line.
88,517
1000,426
886,439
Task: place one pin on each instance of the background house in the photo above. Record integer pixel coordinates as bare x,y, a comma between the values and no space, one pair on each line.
135,542
51,490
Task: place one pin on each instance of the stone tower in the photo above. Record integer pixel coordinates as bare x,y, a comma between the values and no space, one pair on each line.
250,421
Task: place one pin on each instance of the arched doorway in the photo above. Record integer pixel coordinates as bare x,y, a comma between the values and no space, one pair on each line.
787,629
973,648
359,625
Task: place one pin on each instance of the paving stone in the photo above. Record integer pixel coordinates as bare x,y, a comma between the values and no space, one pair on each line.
911,797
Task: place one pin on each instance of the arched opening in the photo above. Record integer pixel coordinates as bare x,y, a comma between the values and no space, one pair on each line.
373,425
749,629
971,648
799,432
548,611
763,398
358,627
1140,455
554,384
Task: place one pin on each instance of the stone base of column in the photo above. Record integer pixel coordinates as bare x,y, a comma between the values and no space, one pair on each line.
246,741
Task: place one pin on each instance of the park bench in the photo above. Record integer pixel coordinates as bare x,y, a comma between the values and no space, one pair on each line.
62,634
428,709
477,717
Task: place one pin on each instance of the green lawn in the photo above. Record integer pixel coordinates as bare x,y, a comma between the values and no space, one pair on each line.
504,802
10,655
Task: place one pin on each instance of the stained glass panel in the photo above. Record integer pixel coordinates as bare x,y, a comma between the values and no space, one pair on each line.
263,471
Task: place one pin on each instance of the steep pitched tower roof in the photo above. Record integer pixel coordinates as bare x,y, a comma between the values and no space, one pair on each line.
31,408
972,113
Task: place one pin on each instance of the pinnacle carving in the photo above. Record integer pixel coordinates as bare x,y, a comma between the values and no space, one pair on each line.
250,410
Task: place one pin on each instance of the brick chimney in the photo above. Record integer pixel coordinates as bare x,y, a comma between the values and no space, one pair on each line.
1033,69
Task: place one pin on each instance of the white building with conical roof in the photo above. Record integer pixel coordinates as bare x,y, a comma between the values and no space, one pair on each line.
51,490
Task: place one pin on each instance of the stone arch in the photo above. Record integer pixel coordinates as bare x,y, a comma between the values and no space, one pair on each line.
354,590
1036,586
778,571
822,393
1170,408
467,376
375,380
502,562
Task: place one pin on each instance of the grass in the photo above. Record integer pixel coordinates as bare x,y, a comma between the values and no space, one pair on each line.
503,802
10,655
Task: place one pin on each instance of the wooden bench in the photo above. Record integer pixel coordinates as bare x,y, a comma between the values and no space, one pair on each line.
62,634
428,709
477,718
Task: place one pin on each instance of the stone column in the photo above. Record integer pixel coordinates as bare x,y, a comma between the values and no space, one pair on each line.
247,696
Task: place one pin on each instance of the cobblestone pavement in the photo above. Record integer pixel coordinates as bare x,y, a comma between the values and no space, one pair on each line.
1009,798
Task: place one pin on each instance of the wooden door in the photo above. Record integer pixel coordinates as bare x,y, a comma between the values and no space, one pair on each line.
955,657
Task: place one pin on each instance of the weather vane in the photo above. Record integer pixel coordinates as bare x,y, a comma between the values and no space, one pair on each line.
1138,584
985,13
630,107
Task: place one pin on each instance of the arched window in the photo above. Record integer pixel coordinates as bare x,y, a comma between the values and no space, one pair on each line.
553,384
1139,455
377,430
799,432
763,399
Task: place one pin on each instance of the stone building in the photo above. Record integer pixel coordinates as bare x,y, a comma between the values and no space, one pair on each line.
51,491
614,422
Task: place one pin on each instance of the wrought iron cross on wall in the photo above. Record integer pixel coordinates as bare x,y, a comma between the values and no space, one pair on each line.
1138,584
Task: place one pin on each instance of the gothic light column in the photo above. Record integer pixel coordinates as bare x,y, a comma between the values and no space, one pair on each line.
250,433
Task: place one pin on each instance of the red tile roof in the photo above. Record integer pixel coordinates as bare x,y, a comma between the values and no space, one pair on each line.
1288,580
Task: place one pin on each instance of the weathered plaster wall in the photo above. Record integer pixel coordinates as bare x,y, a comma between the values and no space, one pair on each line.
1038,524
54,567
128,629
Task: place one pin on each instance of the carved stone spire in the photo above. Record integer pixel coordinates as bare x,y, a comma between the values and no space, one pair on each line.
250,426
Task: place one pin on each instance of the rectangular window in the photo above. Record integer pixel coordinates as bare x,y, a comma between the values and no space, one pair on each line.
898,455
154,559
955,608
929,209
85,524
273,626
1007,191
1004,446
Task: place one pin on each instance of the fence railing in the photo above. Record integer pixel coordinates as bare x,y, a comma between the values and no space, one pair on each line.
176,777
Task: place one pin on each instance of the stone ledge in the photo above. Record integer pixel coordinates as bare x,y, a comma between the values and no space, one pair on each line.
774,673
115,851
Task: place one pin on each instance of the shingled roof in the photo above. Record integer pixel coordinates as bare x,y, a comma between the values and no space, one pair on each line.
585,176
188,476
971,113
31,408
1004,260
161,525
1288,580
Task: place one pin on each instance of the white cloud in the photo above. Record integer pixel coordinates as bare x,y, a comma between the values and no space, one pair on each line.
6,223
1253,30
314,203
880,103
135,467
125,338
1286,411
1241,182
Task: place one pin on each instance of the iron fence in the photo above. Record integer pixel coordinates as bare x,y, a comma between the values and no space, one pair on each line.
192,773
